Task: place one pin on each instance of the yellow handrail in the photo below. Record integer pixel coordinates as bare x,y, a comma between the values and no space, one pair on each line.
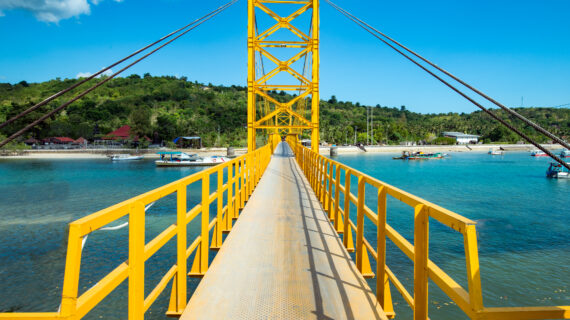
324,173
243,174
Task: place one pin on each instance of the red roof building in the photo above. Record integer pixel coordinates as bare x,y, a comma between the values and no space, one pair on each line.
31,141
123,133
81,140
59,140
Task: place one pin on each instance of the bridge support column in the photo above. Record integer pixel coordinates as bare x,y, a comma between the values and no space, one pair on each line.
315,139
250,76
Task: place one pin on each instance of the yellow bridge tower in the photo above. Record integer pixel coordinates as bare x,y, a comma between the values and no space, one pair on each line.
296,73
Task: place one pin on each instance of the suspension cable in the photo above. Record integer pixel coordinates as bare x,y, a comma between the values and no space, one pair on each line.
480,93
58,94
63,106
503,122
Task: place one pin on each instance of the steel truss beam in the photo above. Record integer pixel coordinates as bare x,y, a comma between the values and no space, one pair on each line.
283,117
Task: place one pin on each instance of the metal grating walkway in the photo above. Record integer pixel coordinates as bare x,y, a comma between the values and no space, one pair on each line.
283,259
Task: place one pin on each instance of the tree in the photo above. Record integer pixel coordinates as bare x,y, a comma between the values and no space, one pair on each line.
333,100
140,122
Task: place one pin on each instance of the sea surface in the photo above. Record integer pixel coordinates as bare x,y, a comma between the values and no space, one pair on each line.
523,226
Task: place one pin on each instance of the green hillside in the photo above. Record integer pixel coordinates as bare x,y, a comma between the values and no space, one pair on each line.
163,108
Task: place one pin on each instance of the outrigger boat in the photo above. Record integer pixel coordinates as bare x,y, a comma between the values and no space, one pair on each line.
557,171
419,155
125,157
180,159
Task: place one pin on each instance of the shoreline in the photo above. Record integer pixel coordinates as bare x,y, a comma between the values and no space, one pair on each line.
104,153
473,148
151,154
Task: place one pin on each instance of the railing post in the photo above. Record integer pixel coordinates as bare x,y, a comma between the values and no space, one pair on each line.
217,242
322,173
254,168
336,216
360,223
136,261
72,267
311,170
381,248
258,168
346,231
473,271
230,214
181,243
421,256
329,195
316,170
242,182
324,189
205,224
249,182
317,175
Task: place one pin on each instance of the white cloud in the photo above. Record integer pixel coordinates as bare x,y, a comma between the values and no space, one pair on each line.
83,75
51,10
107,73
88,74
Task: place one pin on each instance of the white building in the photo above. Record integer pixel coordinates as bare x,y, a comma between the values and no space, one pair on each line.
462,138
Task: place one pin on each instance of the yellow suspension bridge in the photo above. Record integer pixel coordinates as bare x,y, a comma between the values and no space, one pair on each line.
289,215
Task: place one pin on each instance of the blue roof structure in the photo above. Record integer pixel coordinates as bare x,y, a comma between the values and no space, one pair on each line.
186,138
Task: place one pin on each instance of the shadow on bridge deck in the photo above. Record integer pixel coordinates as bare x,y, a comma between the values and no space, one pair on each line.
283,259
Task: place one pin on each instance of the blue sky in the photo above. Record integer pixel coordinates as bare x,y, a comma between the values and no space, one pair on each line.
509,49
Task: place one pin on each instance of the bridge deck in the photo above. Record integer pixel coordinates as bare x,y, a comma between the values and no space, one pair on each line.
283,259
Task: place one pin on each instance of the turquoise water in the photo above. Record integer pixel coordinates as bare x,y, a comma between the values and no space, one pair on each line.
523,227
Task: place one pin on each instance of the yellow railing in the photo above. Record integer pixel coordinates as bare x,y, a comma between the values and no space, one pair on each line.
325,174
242,176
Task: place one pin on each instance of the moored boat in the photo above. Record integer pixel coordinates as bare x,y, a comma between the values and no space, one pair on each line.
125,157
425,156
557,171
496,152
180,159
419,155
565,153
538,153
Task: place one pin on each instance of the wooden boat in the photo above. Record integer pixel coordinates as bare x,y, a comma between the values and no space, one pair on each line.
182,159
565,153
426,156
420,155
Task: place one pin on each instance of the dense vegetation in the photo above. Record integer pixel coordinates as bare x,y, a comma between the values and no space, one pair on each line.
163,108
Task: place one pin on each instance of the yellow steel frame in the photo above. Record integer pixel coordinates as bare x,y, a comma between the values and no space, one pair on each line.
243,174
325,176
283,119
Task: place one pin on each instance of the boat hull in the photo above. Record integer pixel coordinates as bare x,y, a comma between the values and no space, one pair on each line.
560,175
127,158
186,164
425,158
